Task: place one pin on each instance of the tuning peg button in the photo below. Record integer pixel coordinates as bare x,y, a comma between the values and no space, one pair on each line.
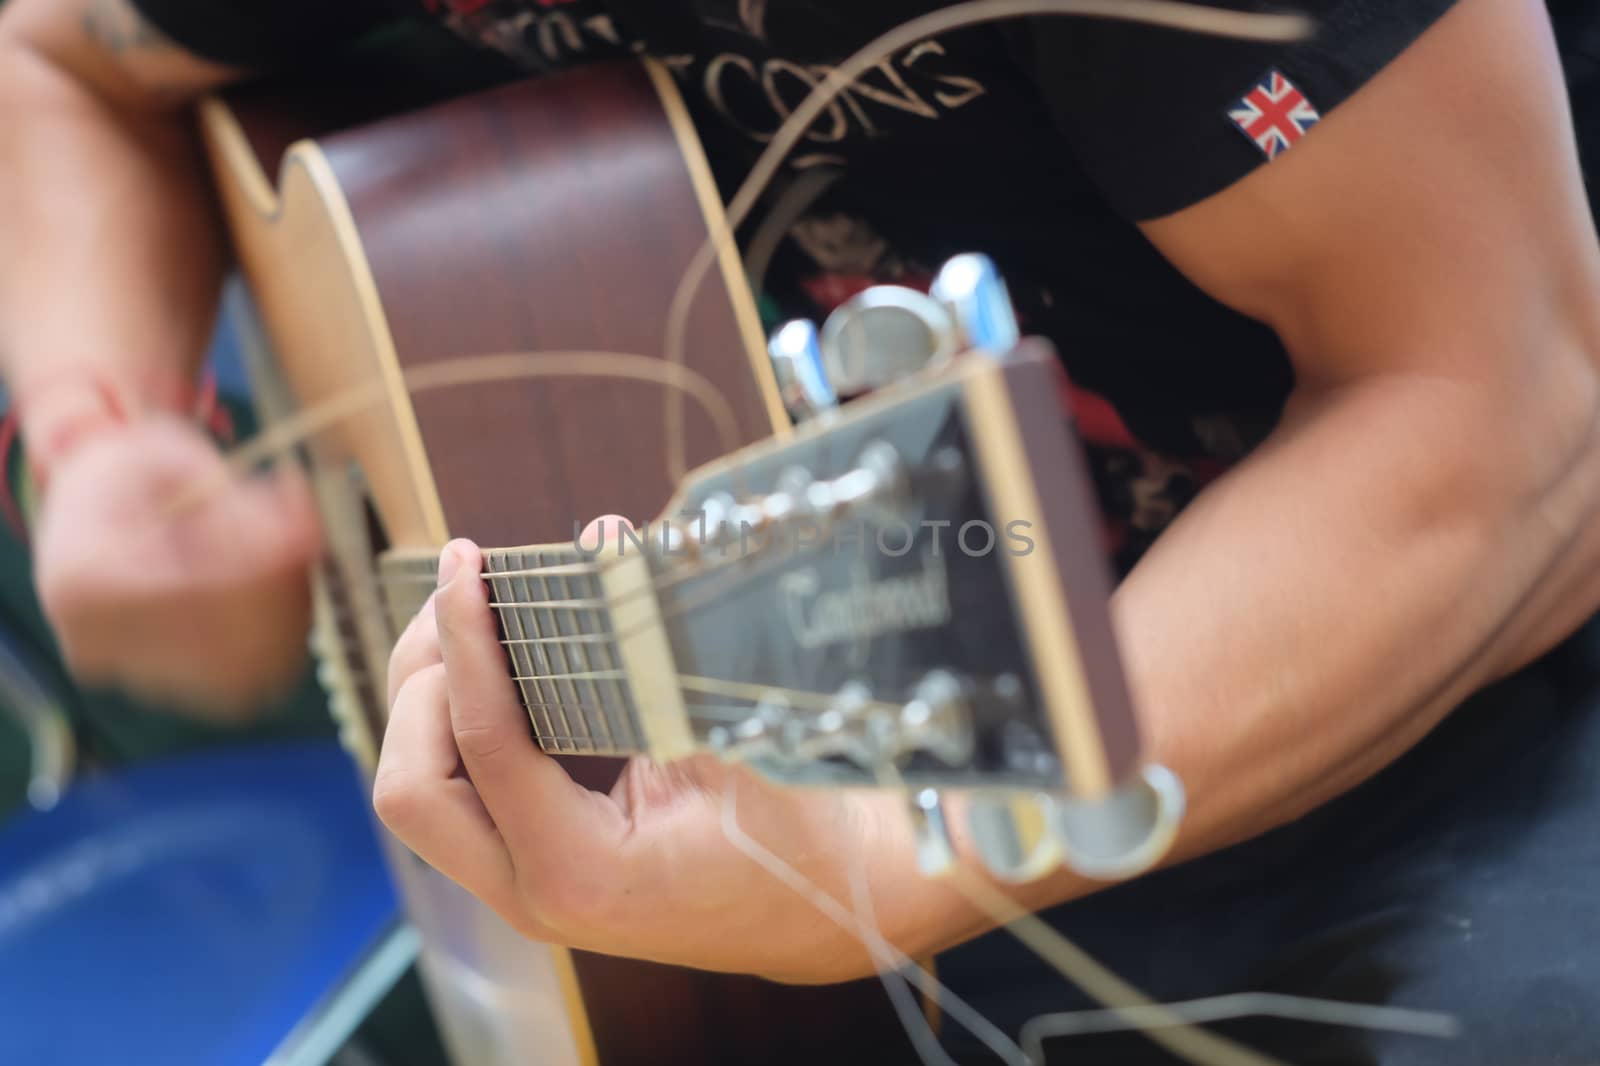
884,334
936,851
971,288
796,353
1125,832
1012,836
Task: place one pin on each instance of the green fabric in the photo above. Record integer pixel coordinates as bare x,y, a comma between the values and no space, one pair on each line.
14,764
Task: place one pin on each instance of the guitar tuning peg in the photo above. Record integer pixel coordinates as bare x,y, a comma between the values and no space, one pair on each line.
936,851
1012,834
882,335
971,288
796,354
1124,833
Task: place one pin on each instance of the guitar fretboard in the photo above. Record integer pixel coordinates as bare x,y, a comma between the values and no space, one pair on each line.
559,641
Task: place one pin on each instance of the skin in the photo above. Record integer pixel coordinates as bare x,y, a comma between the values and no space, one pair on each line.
1421,523
109,312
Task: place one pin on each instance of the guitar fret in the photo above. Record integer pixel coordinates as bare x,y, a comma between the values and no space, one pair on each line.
556,628
618,740
617,692
559,659
610,661
580,625
511,626
583,625
541,656
616,710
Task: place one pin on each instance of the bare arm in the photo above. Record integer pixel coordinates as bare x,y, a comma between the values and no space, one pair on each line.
1424,520
100,184
105,308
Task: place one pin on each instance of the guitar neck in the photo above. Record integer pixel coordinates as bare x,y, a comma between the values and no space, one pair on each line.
560,641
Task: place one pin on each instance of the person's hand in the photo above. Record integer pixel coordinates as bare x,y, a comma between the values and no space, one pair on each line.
646,871
165,575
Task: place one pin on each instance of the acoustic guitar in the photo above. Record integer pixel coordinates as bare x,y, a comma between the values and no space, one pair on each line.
559,216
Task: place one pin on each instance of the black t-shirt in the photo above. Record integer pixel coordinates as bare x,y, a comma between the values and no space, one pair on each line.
1040,142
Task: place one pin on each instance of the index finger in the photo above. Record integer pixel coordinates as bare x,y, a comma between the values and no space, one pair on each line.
536,806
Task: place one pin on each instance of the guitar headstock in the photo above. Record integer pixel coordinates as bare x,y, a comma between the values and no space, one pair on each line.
911,587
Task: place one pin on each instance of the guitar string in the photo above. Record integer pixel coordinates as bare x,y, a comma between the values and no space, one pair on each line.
689,568
1198,1045
718,584
1190,1043
281,438
714,714
1139,1017
751,691
1402,1021
724,570
686,568
887,958
1172,14
675,344
917,1024
1173,1026
1134,1011
1170,1028
1130,1010
917,1028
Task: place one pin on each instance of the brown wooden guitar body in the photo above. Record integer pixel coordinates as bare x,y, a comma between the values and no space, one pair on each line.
543,217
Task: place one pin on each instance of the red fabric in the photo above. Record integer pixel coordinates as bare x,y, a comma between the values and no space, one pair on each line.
208,412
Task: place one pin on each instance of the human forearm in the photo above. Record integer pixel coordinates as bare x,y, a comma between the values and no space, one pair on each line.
107,289
1422,523
1396,546
111,283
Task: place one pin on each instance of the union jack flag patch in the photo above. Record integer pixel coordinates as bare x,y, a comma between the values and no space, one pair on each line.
1275,114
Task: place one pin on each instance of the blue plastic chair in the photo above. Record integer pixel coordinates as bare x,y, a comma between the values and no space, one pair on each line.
228,909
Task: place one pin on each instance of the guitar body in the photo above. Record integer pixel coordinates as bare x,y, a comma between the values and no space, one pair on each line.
550,216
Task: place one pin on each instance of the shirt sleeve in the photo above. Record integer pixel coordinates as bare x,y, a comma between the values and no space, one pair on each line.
1162,119
267,35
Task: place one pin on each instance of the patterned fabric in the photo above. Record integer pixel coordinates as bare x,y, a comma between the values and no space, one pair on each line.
1275,115
1038,142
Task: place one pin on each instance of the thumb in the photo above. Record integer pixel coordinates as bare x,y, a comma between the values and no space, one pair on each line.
273,517
607,529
